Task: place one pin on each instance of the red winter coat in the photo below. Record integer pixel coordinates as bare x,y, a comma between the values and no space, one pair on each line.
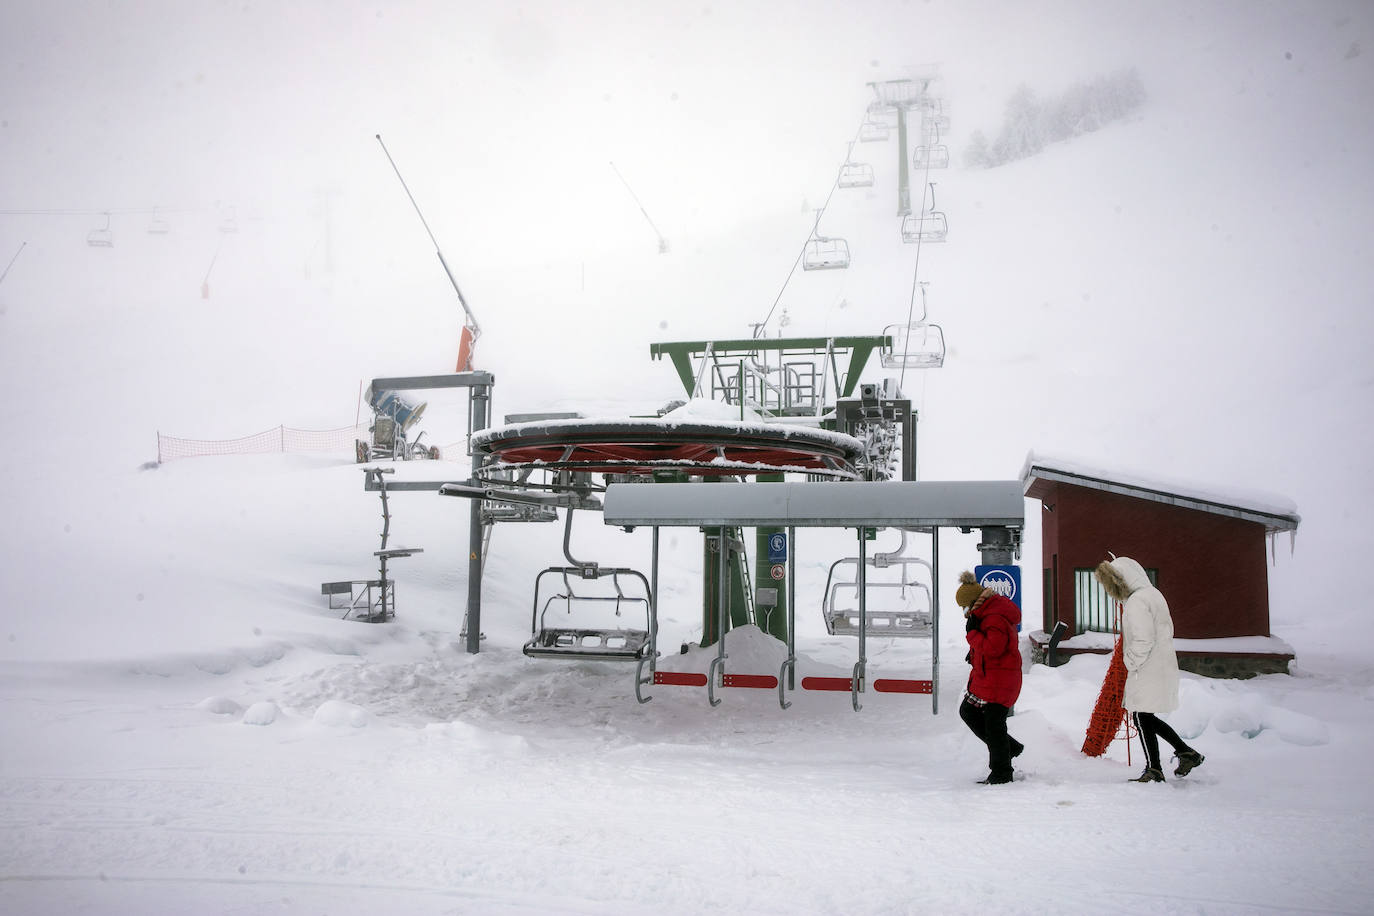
995,650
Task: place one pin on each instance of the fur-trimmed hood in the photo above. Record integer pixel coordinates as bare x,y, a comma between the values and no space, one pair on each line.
1121,577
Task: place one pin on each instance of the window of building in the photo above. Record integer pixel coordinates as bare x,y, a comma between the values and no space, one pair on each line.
1093,611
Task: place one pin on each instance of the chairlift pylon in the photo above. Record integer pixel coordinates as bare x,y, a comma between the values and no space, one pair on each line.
101,238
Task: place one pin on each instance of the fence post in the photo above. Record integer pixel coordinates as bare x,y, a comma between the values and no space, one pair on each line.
281,436
159,446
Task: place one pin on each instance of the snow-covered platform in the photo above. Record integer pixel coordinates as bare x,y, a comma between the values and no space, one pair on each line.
1235,656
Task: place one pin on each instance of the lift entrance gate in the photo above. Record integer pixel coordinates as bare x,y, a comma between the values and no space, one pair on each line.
908,505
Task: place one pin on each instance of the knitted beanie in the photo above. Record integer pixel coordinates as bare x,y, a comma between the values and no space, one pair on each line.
968,590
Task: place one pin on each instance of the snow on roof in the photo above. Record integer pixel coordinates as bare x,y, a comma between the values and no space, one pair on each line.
1276,513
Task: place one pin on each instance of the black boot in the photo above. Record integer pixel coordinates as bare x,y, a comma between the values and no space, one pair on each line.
1188,761
1151,774
996,779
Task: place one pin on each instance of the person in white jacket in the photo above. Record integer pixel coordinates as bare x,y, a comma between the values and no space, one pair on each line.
1147,647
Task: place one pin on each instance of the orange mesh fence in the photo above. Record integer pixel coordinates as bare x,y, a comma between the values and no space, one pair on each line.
277,439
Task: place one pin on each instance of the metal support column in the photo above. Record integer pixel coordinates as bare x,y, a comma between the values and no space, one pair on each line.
997,547
478,398
935,620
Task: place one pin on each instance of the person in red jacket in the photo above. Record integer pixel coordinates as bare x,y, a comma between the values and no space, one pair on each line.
995,681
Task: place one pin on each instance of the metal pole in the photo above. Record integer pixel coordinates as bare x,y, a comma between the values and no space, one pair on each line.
791,605
935,620
653,604
477,411
860,669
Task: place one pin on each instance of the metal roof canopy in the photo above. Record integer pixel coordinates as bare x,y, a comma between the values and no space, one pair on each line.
880,504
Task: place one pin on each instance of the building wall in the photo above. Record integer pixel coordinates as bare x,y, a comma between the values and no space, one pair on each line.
1212,568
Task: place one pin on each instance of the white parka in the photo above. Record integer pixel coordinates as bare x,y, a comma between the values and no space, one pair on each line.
1147,635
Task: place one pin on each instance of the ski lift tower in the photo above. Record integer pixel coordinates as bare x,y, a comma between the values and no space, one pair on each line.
900,96
796,383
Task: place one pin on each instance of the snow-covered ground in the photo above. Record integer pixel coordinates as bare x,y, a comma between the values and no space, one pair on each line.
185,726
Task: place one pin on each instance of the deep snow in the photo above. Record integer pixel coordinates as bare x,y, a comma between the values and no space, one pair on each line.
185,726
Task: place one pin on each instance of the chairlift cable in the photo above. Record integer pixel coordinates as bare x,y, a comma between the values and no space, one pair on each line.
758,328
12,260
916,271
472,319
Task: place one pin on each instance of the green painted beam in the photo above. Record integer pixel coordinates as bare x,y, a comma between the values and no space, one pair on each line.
860,349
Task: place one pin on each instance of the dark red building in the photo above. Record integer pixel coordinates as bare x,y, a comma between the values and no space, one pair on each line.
1208,553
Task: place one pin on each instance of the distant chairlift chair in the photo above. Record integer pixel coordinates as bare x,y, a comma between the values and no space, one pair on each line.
823,253
856,175
918,345
930,226
101,238
931,157
873,130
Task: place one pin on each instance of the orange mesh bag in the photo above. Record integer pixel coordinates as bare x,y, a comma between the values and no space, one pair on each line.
1108,713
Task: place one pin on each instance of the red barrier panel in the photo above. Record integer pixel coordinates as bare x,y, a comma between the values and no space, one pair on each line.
827,683
893,685
680,678
765,681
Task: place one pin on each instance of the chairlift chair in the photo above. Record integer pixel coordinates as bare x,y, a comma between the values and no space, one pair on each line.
930,226
158,225
101,238
582,632
934,123
856,175
918,345
904,610
871,131
229,224
825,254
931,157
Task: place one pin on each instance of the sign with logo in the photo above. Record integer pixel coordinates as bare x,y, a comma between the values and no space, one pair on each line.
777,571
777,548
1004,580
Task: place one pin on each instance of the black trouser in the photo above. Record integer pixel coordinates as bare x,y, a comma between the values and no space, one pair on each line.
989,724
1151,728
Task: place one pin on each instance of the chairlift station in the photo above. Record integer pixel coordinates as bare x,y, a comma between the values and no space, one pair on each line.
812,447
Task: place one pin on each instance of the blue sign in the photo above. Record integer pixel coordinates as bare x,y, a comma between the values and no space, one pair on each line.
1004,580
777,547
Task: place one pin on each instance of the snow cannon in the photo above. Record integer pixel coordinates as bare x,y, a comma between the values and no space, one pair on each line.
403,413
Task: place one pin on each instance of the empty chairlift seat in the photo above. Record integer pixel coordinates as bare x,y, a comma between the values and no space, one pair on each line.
825,254
931,157
856,175
897,603
873,130
930,226
586,621
918,345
